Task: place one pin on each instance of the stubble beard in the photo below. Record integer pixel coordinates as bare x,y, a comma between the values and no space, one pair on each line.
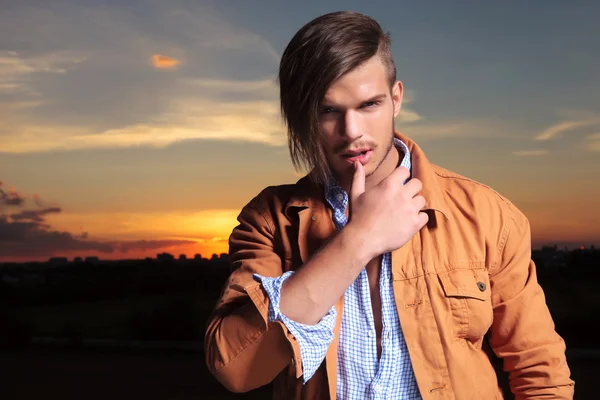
389,148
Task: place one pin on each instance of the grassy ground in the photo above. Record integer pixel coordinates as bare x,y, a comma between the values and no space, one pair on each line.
125,374
97,374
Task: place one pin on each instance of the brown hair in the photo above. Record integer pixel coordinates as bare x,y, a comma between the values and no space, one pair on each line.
321,52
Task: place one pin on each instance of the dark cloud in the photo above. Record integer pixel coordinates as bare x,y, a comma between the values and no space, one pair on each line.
10,197
27,234
34,215
32,238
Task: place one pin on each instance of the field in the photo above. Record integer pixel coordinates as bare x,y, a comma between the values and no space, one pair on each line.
179,317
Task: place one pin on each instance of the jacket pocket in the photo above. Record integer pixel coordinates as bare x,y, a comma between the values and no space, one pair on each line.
468,296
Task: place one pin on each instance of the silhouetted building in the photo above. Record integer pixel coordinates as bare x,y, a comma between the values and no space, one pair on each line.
165,257
58,261
182,257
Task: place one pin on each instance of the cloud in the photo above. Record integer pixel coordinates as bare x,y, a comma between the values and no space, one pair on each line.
10,197
575,121
18,239
530,152
164,62
593,142
36,216
257,121
408,115
27,234
17,70
20,89
84,82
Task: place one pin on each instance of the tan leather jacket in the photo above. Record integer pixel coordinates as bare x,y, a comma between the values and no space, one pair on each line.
468,272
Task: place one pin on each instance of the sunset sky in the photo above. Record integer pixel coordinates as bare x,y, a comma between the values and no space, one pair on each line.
134,128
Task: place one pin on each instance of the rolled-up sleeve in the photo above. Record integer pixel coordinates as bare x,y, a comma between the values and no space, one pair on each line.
312,339
243,349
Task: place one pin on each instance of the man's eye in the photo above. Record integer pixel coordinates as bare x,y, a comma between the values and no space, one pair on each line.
327,110
370,104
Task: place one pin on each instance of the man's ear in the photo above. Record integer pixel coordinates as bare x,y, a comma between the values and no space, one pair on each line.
397,93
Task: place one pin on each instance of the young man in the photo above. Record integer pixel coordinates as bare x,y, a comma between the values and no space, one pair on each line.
379,275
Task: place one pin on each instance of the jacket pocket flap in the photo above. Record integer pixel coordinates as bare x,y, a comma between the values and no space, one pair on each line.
473,283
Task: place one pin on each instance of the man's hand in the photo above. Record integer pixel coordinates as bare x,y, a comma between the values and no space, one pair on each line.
389,214
381,220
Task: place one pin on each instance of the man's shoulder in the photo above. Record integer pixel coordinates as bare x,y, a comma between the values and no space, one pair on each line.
479,194
276,197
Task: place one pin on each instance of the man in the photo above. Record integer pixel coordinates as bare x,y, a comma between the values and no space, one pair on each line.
379,274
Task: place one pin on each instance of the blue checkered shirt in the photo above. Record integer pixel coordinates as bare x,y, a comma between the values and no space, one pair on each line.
361,375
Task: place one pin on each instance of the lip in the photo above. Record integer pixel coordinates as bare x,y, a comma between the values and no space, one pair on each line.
356,155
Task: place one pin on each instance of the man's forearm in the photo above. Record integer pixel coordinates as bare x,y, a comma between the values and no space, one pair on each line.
315,287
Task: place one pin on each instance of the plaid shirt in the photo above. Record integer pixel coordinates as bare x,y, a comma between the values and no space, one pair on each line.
361,375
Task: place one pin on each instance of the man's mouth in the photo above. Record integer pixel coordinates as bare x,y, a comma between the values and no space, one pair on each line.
362,155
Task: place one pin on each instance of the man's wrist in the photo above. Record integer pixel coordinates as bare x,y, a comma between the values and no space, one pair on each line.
356,240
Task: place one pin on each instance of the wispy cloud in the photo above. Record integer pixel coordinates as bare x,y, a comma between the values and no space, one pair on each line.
257,121
407,114
593,142
528,153
574,121
18,70
117,98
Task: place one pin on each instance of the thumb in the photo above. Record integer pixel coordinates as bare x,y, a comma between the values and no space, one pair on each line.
358,182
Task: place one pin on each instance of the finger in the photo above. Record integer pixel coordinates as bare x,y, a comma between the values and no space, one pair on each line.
358,182
419,202
412,187
423,219
400,174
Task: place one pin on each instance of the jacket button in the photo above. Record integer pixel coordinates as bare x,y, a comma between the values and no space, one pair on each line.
481,286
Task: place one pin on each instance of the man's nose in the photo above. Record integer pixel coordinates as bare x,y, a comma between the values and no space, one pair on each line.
352,128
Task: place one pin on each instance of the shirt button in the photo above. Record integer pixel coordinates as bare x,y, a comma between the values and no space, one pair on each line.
377,387
370,333
481,286
388,335
340,197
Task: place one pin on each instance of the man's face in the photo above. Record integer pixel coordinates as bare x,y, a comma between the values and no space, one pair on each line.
356,120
